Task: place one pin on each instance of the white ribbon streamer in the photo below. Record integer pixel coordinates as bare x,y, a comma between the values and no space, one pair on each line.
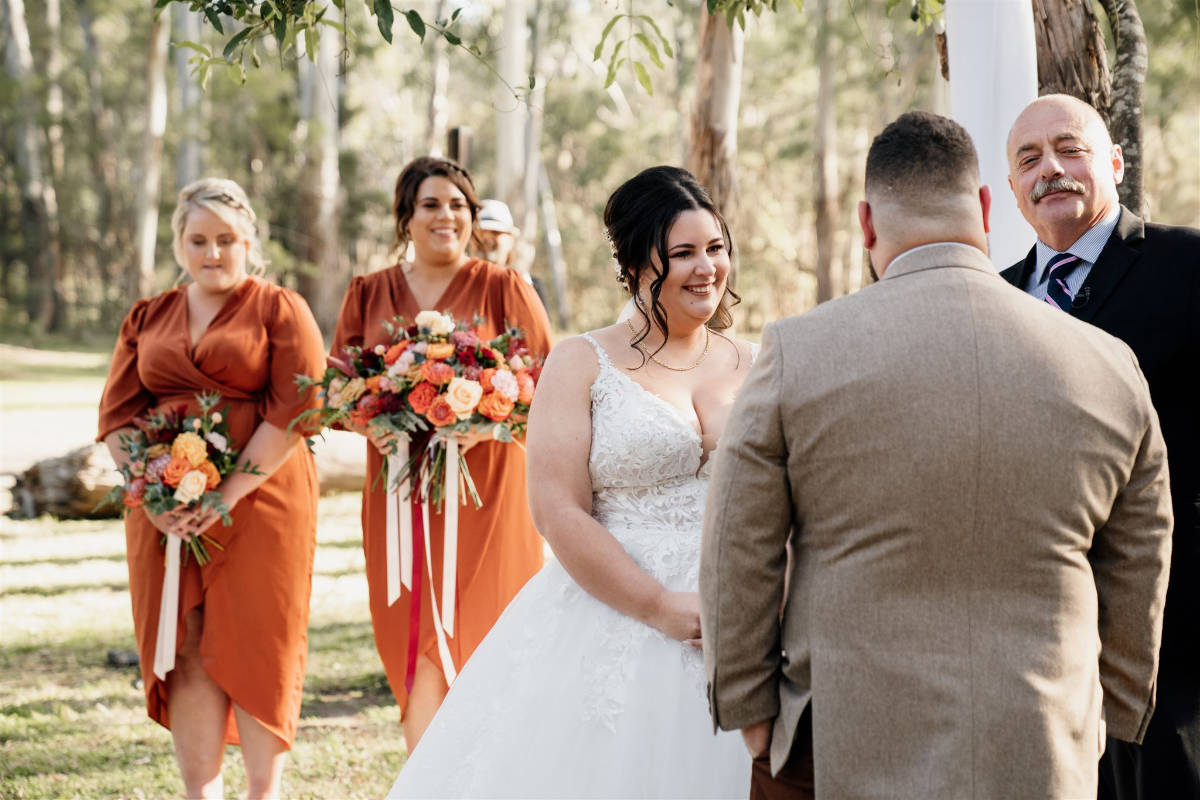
450,535
168,612
443,648
398,550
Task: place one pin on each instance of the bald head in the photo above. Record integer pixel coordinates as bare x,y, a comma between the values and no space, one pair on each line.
1063,168
922,186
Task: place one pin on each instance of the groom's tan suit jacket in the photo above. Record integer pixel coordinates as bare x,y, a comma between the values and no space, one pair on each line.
974,487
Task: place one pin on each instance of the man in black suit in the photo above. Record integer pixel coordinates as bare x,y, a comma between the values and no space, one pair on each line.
1140,282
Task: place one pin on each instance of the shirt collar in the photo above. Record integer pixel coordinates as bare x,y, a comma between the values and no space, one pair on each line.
1087,247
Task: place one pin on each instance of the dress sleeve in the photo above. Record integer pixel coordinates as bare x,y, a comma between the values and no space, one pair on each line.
523,308
125,398
350,323
296,349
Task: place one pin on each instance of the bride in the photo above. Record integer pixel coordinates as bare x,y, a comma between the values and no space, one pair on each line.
591,684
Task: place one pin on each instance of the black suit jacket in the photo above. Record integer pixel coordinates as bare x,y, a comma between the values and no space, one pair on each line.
1145,289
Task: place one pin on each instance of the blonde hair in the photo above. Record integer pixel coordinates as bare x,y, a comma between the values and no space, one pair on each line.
229,203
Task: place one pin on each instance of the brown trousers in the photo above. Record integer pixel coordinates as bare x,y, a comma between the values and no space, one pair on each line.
795,779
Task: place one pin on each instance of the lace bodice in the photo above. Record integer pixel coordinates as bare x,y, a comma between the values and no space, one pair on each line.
648,485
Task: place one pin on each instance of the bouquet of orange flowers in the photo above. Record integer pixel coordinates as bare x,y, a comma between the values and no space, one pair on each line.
176,459
437,378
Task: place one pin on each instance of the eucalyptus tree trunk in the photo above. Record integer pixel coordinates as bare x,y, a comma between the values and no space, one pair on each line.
146,206
712,151
510,114
1126,103
1071,58
54,92
439,66
108,239
39,205
533,131
829,272
554,251
321,283
186,26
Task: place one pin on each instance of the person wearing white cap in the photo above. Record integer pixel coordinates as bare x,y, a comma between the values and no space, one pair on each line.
495,234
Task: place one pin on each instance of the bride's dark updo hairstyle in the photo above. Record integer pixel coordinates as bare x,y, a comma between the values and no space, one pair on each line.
637,219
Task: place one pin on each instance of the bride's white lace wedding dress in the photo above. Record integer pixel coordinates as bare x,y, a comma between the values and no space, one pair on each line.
567,697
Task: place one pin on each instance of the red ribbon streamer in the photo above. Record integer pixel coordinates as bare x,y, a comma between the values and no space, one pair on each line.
414,598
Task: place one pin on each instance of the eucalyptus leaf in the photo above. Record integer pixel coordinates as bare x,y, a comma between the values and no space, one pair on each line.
416,23
384,18
604,37
643,77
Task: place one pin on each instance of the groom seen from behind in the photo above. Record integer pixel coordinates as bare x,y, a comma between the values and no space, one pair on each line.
974,487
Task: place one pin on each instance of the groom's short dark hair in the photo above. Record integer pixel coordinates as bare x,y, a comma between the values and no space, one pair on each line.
922,153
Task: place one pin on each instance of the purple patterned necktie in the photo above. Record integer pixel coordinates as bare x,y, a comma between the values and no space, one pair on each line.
1057,270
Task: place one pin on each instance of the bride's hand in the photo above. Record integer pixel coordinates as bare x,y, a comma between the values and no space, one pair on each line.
678,616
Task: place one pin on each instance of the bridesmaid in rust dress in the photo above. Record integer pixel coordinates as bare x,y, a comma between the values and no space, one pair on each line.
499,550
242,640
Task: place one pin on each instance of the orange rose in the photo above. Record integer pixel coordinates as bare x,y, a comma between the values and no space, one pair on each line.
394,352
175,470
440,413
525,387
485,378
212,477
439,350
422,396
373,384
437,373
495,406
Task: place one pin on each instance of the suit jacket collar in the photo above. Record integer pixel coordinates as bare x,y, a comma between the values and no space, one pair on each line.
934,256
1119,254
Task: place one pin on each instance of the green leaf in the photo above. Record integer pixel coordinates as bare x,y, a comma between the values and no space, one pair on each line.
454,14
332,23
666,44
416,23
613,65
532,82
799,4
311,44
452,38
651,50
160,3
280,29
643,77
214,19
196,46
234,41
604,37
384,18
254,59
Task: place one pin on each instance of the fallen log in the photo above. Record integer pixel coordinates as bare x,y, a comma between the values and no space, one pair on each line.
70,486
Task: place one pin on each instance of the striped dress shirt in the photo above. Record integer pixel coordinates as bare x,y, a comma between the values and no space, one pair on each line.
1086,247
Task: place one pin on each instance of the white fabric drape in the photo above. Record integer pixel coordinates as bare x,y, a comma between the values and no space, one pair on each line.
993,75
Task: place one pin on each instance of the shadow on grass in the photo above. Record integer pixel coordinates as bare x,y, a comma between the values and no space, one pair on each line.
60,561
54,707
67,588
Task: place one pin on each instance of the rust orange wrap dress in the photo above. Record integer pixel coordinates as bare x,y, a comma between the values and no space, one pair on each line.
498,547
255,593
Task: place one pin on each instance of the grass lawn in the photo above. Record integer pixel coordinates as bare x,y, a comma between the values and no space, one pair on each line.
72,726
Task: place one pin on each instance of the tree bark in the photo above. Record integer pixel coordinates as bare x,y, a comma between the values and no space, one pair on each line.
510,114
554,254
146,207
188,159
1126,104
1071,57
321,283
39,204
829,273
712,151
439,66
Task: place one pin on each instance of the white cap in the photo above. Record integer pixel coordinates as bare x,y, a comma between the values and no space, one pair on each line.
494,216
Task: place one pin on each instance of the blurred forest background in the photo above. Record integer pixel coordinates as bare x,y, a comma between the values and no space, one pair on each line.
103,117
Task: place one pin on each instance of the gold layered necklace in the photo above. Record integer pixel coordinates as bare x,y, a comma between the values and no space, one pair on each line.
693,365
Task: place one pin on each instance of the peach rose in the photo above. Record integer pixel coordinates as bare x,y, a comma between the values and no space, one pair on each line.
463,395
437,373
421,397
525,385
191,447
210,473
191,486
485,379
495,406
175,470
439,350
440,413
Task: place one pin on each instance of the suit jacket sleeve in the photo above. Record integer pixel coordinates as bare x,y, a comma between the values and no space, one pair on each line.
743,554
1130,558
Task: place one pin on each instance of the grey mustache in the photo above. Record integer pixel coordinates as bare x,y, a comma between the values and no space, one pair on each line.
1059,184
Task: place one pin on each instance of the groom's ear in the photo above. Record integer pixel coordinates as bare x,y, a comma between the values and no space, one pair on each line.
867,224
